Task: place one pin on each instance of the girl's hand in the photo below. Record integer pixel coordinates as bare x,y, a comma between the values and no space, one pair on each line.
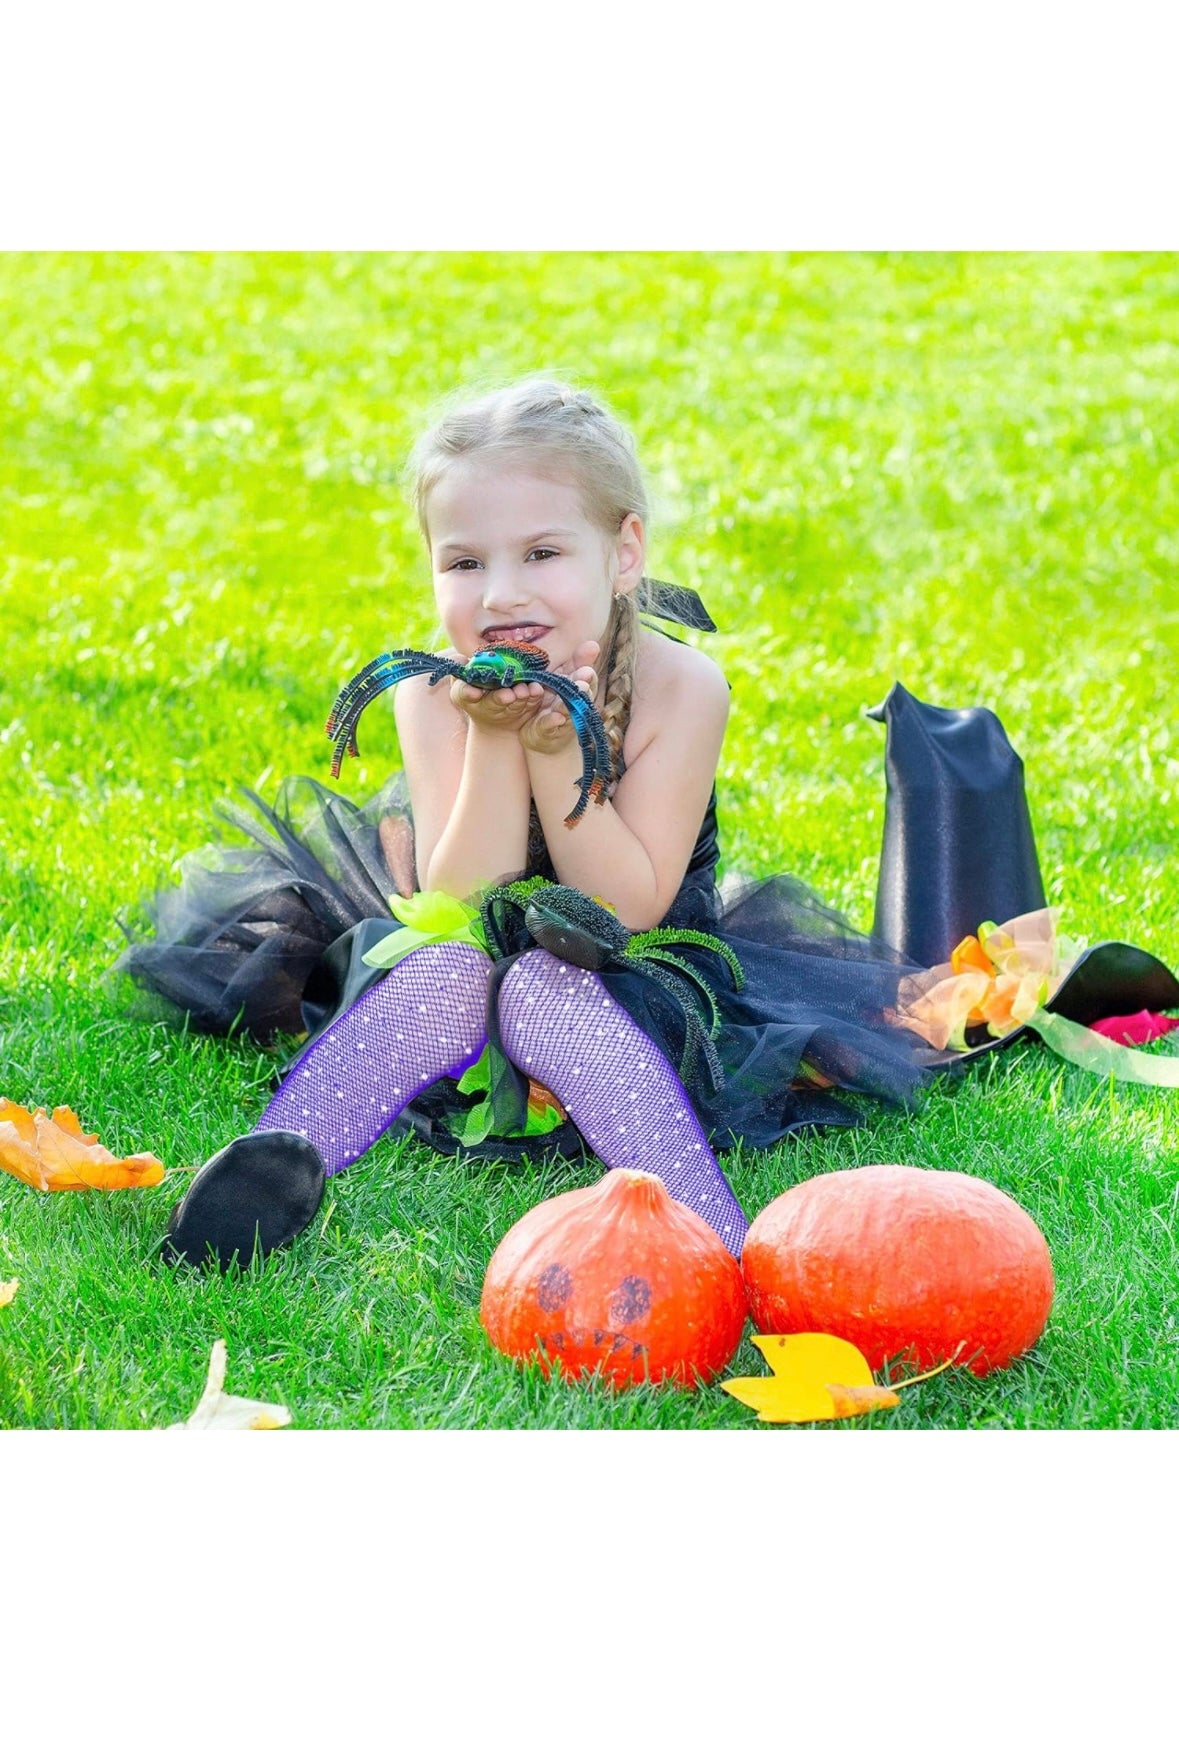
500,710
550,730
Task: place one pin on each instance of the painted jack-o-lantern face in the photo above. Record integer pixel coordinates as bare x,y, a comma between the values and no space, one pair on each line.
619,1279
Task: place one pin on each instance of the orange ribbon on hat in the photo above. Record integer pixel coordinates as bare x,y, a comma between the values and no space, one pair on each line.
995,979
1001,978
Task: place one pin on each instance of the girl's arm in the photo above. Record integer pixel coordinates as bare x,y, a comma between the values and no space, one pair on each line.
634,849
468,784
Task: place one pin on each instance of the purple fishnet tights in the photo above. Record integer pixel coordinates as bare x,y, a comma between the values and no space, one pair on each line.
427,1019
561,1025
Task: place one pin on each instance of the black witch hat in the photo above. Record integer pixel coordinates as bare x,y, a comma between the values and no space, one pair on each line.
959,850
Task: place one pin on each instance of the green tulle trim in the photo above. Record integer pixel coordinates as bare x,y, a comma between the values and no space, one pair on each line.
1102,1056
500,927
426,918
480,1121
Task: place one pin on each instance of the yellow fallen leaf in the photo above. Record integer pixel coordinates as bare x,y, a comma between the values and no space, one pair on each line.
861,1398
218,1412
55,1153
8,1291
816,1377
823,1359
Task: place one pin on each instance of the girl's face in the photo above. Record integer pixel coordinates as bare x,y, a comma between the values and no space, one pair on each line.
515,558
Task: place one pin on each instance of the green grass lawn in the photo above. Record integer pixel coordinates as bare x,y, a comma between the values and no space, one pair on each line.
962,472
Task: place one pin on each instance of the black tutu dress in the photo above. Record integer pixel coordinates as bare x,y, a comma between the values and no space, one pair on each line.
267,938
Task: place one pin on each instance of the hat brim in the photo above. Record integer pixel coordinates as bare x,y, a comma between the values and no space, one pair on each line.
1111,978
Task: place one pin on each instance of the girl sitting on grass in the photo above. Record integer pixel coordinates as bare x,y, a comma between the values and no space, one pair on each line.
534,515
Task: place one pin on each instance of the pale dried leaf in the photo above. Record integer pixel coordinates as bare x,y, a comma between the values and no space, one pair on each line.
218,1412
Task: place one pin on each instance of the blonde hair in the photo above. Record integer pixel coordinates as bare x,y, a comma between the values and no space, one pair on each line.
559,429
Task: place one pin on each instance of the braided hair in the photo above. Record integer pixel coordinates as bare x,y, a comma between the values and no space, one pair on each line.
619,681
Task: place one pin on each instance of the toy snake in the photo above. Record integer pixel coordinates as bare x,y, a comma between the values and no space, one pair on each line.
499,668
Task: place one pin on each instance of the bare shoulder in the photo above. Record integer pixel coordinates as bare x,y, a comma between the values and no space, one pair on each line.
673,681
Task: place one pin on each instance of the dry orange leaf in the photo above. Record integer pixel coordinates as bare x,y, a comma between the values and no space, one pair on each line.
54,1153
816,1377
8,1291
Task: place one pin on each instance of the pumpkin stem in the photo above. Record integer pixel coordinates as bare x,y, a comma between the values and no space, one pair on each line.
923,1376
632,1181
634,1172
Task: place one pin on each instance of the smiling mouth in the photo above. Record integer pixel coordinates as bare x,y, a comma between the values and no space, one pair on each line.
520,632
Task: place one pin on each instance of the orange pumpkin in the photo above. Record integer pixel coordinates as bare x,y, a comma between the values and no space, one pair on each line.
615,1278
901,1261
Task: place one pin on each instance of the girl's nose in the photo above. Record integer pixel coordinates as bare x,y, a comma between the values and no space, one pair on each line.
503,587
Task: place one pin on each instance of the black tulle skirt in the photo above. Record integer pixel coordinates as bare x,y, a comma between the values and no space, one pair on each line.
266,937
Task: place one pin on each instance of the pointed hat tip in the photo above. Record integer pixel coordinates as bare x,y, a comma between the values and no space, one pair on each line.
880,711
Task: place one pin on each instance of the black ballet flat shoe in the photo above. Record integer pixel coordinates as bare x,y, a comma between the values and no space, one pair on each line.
255,1195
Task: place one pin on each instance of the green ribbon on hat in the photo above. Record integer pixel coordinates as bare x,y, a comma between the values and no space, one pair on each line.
1100,1055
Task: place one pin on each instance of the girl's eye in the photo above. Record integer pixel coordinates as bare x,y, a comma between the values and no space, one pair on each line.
465,564
542,554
